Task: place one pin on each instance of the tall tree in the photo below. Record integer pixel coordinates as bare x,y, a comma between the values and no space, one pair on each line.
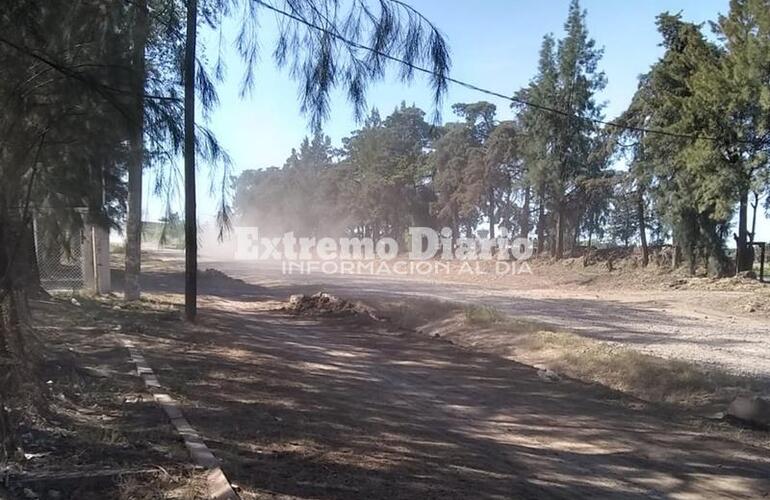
484,176
387,167
578,81
63,145
190,210
506,174
736,92
694,176
457,203
320,42
631,143
136,160
563,148
540,130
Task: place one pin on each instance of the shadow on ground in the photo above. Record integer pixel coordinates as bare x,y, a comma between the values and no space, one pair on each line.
301,407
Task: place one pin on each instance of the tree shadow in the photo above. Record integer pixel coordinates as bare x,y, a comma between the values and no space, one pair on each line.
320,409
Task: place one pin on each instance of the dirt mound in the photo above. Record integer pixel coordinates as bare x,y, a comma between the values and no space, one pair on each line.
324,304
215,275
614,258
731,283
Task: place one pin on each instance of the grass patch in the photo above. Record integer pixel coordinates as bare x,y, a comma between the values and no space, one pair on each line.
645,376
482,315
181,486
642,375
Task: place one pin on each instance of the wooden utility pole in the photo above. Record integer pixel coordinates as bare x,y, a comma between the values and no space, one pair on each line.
190,209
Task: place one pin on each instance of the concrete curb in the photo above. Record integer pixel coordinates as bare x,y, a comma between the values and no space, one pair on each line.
218,485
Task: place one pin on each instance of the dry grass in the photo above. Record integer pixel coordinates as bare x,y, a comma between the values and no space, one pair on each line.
644,376
482,315
648,377
163,485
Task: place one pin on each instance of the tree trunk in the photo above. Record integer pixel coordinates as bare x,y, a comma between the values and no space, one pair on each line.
692,258
576,236
559,243
131,287
754,206
744,261
642,226
191,220
541,221
676,256
491,211
8,380
12,297
524,219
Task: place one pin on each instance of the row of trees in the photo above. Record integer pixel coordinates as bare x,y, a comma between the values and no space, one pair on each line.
96,92
694,143
402,171
713,99
79,115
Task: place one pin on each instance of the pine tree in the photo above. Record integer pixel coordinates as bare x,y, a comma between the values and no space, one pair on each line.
314,42
736,93
539,129
578,81
694,176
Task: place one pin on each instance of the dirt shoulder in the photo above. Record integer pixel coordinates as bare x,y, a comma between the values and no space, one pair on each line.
89,430
690,326
556,352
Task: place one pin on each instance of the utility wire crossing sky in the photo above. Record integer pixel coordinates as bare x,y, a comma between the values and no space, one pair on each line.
476,88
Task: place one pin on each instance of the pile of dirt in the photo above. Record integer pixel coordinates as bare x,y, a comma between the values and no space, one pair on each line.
619,258
325,304
215,275
728,284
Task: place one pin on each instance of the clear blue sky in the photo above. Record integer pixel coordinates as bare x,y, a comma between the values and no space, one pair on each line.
494,44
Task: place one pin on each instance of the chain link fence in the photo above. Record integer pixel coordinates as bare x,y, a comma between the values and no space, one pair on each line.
59,253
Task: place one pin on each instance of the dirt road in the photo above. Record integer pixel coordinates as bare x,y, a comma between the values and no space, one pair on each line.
300,407
336,409
690,325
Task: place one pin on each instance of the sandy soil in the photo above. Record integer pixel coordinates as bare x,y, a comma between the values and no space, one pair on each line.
334,408
693,319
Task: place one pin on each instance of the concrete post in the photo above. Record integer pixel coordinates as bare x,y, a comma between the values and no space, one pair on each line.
101,252
95,253
87,258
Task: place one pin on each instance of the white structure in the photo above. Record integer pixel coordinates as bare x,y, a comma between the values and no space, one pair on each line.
96,259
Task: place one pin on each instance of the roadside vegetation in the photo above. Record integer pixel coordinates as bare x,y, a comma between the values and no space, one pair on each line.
706,390
629,371
687,158
93,102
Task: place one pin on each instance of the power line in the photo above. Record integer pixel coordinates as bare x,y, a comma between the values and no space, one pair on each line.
76,75
471,86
